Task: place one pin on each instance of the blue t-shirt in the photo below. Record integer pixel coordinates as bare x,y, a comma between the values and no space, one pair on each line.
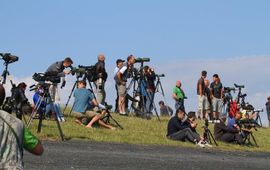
83,97
231,122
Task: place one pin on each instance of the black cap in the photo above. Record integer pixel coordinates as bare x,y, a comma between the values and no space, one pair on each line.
204,73
119,61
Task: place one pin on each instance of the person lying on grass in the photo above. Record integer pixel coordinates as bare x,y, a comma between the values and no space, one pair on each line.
84,101
178,130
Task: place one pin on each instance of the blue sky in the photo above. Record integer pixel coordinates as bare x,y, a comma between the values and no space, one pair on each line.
180,37
161,30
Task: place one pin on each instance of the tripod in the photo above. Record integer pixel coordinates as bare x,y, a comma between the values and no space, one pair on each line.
108,117
248,137
208,136
5,74
258,119
38,108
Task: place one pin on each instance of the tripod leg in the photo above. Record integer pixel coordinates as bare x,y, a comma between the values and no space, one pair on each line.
70,96
211,135
110,116
40,122
253,138
58,126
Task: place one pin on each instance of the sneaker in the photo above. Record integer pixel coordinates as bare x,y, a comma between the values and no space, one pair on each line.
63,119
207,144
123,114
200,144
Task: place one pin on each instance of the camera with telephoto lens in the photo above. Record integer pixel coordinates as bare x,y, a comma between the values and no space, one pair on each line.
229,89
88,71
141,60
9,58
160,75
42,77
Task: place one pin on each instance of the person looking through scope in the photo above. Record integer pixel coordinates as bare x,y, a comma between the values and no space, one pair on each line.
227,134
58,69
121,79
102,75
149,88
16,138
83,105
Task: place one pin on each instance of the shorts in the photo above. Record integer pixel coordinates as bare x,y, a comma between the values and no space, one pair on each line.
87,114
217,105
121,90
201,102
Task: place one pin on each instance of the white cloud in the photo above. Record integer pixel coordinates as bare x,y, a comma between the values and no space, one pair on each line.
253,72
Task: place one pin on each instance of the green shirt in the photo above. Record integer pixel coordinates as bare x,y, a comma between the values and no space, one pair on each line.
179,93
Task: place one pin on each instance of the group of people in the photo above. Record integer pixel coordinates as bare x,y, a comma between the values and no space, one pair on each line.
209,97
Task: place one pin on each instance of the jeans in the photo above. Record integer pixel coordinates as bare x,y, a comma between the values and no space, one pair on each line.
149,101
180,105
184,134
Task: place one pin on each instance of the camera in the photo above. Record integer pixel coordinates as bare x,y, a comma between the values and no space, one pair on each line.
229,89
9,58
141,60
88,71
239,86
42,77
160,75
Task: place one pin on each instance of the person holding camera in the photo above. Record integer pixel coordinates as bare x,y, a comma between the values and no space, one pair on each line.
84,104
179,96
14,138
19,100
121,79
216,89
149,86
227,134
101,78
180,131
201,94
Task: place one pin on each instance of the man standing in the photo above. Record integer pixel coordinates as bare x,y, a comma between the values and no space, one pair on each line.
200,93
179,96
119,65
150,77
14,138
207,94
101,78
121,78
268,108
58,69
216,89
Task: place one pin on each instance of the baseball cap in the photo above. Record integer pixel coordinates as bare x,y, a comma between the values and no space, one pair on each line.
119,61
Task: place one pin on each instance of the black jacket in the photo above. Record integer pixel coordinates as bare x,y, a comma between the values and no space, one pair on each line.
101,71
220,129
175,125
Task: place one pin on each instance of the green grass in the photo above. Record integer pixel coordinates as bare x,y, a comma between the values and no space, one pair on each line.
138,131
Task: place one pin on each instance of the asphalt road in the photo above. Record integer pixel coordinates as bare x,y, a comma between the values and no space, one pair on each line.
90,155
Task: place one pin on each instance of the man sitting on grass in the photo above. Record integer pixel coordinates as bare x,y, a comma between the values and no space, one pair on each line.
227,134
178,130
84,101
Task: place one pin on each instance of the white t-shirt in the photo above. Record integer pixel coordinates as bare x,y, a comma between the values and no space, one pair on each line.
123,69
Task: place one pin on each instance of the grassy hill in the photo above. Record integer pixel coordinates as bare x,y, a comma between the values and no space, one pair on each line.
138,131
